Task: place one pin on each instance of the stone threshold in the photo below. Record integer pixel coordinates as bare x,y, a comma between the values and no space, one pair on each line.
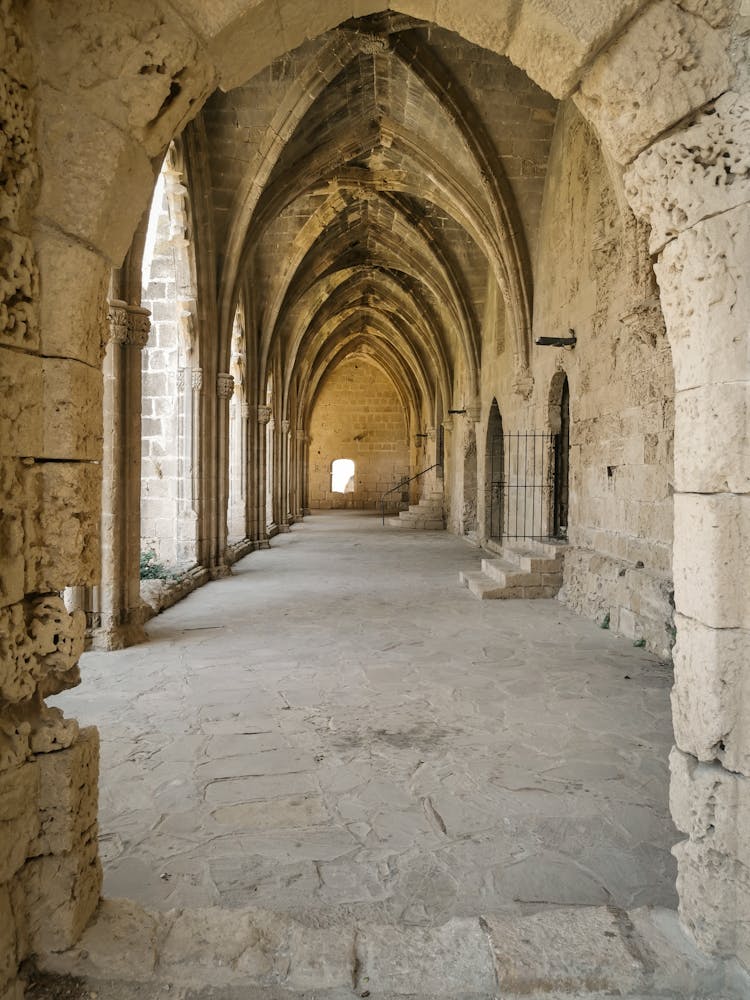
581,951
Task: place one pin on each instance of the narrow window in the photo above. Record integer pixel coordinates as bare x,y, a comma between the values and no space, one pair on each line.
342,476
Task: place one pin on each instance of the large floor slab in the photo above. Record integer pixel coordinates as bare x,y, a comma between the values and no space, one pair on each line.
340,727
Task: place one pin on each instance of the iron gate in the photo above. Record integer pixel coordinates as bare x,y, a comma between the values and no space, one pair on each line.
522,485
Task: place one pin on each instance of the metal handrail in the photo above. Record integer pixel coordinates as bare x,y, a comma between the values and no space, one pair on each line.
405,482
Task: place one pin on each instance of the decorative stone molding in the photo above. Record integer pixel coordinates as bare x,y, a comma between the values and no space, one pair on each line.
224,385
180,380
285,425
264,414
128,324
117,317
448,424
474,413
245,410
196,379
300,434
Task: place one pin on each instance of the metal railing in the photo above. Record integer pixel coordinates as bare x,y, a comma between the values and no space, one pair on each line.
404,482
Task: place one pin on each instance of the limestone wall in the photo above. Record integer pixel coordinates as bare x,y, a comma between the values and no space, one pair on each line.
358,415
50,445
165,471
593,276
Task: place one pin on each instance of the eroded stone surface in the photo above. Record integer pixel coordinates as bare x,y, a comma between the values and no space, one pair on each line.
626,94
381,749
696,173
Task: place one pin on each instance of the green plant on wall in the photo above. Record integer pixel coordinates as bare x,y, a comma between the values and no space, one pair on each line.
152,569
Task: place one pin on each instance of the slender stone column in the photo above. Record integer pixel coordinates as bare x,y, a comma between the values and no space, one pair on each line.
115,606
224,390
284,459
264,418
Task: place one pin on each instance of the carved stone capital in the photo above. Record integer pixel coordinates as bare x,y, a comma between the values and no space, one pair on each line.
128,324
180,379
196,379
264,414
245,410
139,325
300,434
474,413
285,425
117,317
224,385
448,424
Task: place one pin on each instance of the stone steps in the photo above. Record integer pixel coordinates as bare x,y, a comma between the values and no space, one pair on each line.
584,951
530,569
427,515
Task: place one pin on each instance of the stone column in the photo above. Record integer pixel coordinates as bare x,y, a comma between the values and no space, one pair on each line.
224,390
116,603
264,418
694,189
284,477
300,457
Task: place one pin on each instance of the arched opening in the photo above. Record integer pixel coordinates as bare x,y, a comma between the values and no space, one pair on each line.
168,517
494,475
699,241
342,475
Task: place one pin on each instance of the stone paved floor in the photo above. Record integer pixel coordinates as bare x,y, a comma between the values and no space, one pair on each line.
340,727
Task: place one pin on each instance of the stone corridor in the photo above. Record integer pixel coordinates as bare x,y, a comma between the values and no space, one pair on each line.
339,726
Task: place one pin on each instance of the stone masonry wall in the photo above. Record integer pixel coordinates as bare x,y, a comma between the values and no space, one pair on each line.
161,429
50,385
358,415
593,275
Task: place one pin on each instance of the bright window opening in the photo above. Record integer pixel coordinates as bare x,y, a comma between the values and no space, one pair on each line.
342,476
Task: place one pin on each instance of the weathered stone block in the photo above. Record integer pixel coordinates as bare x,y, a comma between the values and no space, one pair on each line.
552,43
141,67
711,556
61,525
705,296
8,950
77,151
704,416
74,281
20,403
68,794
72,393
441,961
564,950
486,23
18,166
63,892
711,805
699,172
710,699
321,959
12,503
667,63
120,942
713,891
19,819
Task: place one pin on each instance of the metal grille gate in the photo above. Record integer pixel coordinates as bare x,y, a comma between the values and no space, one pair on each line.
522,485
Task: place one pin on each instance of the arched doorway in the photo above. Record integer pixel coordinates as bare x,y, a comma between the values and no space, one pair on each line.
560,427
494,472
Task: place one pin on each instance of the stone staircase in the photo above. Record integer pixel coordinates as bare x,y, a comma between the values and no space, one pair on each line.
527,568
427,515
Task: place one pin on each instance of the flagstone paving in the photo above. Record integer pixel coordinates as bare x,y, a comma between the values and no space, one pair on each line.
340,728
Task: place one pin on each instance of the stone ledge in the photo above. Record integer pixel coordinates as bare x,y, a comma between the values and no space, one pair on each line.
564,951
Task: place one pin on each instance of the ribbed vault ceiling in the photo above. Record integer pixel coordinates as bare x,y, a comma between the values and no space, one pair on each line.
362,205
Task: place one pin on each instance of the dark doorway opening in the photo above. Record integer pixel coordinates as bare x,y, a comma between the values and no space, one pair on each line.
561,418
494,474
